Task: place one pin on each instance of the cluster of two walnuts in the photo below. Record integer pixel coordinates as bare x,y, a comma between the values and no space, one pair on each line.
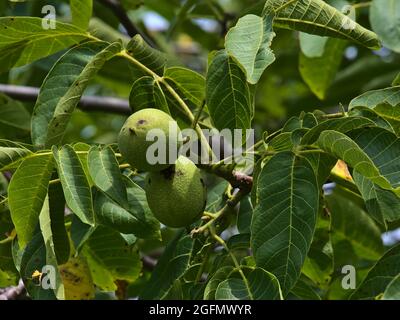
176,193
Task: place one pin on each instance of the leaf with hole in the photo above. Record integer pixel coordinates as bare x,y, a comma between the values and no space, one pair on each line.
249,42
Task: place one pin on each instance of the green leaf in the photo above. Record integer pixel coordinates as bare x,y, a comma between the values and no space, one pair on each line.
396,81
33,259
281,142
373,116
282,232
12,154
172,264
249,42
80,232
384,102
319,18
351,227
373,98
392,291
81,12
26,194
259,285
82,150
342,125
147,93
45,221
312,46
135,218
244,216
239,241
216,279
8,273
146,55
215,197
24,40
320,72
74,183
383,205
228,94
318,266
380,276
63,88
383,147
57,223
384,16
14,114
190,83
304,291
109,256
322,164
342,147
105,172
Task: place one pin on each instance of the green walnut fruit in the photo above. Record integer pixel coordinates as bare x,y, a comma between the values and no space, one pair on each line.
177,196
142,131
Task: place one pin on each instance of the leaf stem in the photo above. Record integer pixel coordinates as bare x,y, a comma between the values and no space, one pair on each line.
198,115
7,240
231,203
203,264
55,181
362,5
235,262
311,151
334,115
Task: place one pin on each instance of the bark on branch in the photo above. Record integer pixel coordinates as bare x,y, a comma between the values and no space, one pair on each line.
119,11
12,293
87,103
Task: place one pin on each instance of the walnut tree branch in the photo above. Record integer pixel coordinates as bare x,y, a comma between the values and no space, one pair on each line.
12,293
87,103
235,178
119,11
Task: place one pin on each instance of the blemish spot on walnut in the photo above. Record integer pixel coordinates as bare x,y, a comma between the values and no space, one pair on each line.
141,122
179,173
169,172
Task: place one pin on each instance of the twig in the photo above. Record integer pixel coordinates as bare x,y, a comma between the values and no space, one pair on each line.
235,178
198,115
231,203
87,103
12,293
149,262
119,11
